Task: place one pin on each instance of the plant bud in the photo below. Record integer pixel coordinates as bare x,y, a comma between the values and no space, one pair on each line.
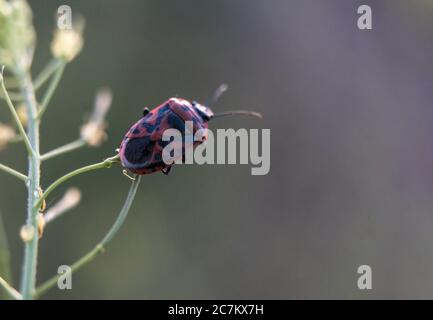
27,233
67,43
17,35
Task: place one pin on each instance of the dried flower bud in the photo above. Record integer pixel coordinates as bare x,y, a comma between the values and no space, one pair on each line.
67,43
41,224
93,132
70,199
17,35
27,233
7,133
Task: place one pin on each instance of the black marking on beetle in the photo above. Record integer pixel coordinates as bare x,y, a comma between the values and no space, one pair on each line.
138,150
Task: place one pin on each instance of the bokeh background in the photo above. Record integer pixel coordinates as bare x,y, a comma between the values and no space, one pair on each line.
351,180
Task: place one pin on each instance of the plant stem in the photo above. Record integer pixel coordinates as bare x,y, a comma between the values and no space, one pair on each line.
11,291
13,96
12,82
107,163
46,73
5,257
51,88
15,115
28,279
13,172
100,247
64,149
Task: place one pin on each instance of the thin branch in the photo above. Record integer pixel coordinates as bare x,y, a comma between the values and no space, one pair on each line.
46,73
107,163
11,291
14,96
12,82
5,256
100,247
51,88
13,172
74,145
15,115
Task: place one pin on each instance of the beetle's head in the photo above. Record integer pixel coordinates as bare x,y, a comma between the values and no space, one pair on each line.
204,112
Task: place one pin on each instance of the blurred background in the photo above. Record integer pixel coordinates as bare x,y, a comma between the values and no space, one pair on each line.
351,180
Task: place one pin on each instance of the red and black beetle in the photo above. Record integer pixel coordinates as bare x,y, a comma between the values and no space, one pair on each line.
141,148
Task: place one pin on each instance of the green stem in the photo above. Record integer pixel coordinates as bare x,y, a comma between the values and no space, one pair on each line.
13,172
28,280
11,291
13,96
51,88
12,82
15,115
5,257
64,149
107,163
100,247
46,73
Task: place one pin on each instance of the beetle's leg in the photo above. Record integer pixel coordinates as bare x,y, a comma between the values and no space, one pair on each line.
145,111
127,175
166,171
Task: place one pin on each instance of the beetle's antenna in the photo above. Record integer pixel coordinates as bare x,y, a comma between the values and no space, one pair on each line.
217,94
238,112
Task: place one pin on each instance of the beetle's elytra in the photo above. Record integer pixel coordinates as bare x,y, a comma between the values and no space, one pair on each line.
141,148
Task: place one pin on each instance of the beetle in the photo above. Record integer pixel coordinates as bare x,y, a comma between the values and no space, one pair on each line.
141,148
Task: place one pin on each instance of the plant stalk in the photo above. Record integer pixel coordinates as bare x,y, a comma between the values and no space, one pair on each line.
28,280
46,73
51,89
11,291
107,163
15,115
100,247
